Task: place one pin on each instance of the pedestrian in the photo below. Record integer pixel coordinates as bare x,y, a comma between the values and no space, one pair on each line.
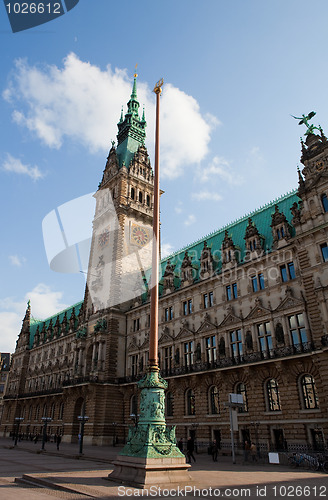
180,445
58,441
253,451
214,451
190,450
247,447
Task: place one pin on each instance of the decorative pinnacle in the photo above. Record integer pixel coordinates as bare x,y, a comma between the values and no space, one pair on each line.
135,71
158,86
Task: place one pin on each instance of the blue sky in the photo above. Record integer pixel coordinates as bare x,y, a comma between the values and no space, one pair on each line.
234,72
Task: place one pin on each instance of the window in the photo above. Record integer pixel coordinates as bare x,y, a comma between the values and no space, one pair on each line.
273,395
167,358
324,252
241,389
190,400
287,271
45,411
208,300
297,329
136,324
236,344
61,412
231,291
52,411
168,313
132,193
134,405
280,233
210,343
324,201
169,404
309,393
214,401
134,365
187,307
140,197
148,200
264,336
258,282
188,353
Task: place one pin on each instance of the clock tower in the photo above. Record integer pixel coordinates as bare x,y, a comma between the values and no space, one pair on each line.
122,227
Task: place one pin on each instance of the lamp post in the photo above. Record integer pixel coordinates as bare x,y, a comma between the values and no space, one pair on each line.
45,421
114,424
83,419
18,421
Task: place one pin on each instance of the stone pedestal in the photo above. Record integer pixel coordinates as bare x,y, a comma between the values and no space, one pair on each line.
145,472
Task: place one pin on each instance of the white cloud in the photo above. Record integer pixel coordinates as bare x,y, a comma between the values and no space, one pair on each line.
206,196
190,220
219,168
166,250
15,165
44,303
178,208
16,261
82,102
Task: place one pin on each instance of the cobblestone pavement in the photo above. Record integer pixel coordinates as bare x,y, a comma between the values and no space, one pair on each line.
86,476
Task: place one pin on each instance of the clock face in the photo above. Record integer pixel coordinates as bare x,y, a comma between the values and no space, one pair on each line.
140,235
103,238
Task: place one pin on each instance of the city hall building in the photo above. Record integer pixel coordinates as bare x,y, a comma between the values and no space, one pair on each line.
243,310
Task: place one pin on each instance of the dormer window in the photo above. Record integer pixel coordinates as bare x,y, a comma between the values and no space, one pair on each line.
280,226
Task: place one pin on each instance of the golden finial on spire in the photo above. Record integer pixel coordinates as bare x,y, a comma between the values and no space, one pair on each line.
158,86
135,71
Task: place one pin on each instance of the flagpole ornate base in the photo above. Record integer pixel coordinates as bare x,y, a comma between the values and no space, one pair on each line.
150,455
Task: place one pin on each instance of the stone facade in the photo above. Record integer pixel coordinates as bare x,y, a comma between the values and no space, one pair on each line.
243,310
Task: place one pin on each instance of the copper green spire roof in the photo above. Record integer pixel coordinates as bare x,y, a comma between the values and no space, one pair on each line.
131,130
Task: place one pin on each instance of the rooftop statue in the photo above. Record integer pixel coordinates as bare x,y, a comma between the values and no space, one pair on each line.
305,120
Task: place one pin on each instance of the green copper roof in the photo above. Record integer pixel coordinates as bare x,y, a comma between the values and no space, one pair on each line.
131,130
34,323
236,230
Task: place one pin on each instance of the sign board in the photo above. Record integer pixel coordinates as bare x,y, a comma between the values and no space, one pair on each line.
273,458
236,398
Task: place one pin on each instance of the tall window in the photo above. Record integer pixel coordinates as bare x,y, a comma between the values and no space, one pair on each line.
45,411
210,343
241,389
231,291
136,324
167,358
188,353
140,197
187,307
214,400
134,365
190,402
324,201
52,411
236,344
280,233
273,395
324,252
133,405
264,336
208,300
132,193
169,404
258,282
287,271
61,411
309,392
168,313
297,329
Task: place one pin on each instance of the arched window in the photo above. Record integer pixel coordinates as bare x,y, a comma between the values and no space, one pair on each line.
241,389
30,413
45,411
309,392
133,405
52,411
169,404
132,193
273,395
324,201
61,412
190,402
140,197
214,400
37,412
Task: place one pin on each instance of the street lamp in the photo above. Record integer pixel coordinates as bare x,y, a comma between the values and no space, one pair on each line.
83,419
18,421
135,418
45,421
114,424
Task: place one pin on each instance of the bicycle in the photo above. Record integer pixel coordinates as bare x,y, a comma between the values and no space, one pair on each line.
298,459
